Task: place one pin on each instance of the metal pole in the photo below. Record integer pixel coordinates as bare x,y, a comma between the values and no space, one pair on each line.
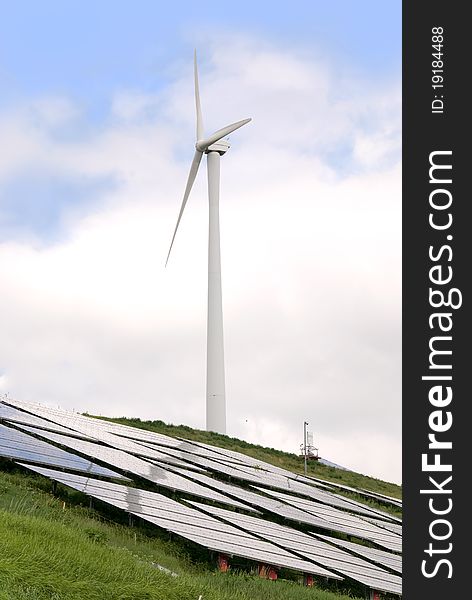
304,443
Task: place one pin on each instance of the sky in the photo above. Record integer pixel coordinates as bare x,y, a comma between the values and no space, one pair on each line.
98,128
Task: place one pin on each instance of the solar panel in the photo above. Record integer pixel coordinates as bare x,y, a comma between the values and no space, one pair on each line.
387,559
356,525
170,461
361,492
17,445
297,477
216,452
94,428
131,464
61,417
310,548
179,444
375,512
329,512
13,415
331,499
389,499
185,521
313,481
140,435
393,527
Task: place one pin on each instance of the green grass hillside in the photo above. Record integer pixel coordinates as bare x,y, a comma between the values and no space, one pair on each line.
56,548
286,460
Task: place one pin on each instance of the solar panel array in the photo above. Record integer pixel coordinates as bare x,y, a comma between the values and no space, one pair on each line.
184,521
316,528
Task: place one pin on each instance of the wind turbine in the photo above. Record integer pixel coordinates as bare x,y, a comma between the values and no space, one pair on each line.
214,146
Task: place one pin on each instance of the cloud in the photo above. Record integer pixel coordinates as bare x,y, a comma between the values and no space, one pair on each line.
3,383
310,220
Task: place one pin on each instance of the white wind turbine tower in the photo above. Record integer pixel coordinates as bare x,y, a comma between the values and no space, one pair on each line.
213,146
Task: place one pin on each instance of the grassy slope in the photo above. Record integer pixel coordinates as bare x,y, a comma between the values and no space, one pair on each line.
292,462
51,551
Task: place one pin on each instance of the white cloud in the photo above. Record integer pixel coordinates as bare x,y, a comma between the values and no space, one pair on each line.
54,111
310,221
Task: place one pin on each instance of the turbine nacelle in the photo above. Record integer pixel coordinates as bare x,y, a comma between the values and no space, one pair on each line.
221,146
202,145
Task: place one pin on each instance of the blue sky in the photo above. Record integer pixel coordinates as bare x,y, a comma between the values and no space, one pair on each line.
97,129
89,48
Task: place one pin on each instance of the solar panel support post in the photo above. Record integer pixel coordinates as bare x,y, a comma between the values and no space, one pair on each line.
267,572
223,563
308,580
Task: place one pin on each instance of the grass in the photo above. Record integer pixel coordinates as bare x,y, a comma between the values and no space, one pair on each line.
279,458
53,548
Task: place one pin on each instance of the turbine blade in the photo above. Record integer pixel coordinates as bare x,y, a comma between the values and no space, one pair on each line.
191,178
200,133
202,145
